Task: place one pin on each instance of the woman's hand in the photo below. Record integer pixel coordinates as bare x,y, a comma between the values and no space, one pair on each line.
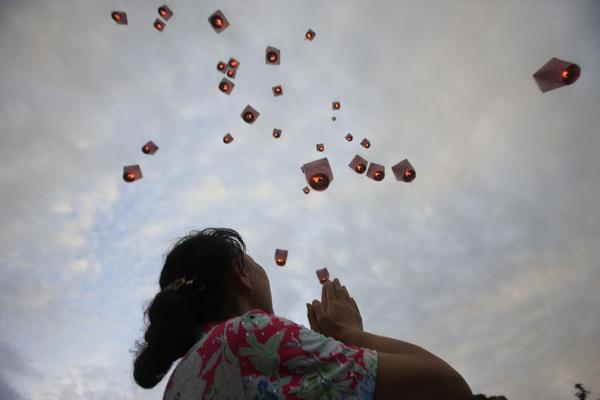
335,313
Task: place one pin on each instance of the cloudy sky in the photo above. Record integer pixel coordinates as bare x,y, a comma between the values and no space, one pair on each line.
489,258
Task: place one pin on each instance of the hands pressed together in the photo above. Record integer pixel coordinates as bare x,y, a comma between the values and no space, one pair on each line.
336,313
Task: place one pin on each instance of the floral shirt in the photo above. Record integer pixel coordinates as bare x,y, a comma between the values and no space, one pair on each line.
262,356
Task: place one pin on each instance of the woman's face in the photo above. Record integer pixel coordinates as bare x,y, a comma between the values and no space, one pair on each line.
261,286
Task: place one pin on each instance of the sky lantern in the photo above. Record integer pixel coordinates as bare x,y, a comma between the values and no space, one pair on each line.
221,67
318,174
226,86
132,173
276,133
165,12
555,74
233,63
277,90
320,147
403,171
322,275
158,24
333,118
249,114
281,257
218,21
376,172
306,190
272,56
358,164
119,17
349,137
149,148
365,143
231,73
310,35
227,139
335,105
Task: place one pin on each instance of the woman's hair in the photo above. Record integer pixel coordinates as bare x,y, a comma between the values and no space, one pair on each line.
203,258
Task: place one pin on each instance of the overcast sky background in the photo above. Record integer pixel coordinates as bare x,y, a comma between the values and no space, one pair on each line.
489,259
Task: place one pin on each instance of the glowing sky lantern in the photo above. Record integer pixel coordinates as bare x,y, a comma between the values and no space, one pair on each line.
376,172
158,24
358,164
226,86
333,118
233,63
404,171
272,56
276,133
165,12
306,190
132,173
231,73
218,21
277,90
149,148
249,114
365,143
227,139
555,74
349,137
335,105
119,17
281,257
322,275
318,174
310,35
320,147
221,67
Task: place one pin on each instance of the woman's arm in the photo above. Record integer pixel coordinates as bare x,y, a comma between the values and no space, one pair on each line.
405,371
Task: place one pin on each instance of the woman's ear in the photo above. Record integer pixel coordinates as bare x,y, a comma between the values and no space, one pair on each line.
240,274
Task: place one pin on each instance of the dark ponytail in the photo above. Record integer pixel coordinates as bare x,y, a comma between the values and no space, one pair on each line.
174,316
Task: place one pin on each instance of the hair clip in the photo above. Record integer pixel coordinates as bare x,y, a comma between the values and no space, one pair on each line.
180,282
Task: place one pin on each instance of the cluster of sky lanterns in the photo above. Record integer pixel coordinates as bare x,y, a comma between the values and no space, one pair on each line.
554,74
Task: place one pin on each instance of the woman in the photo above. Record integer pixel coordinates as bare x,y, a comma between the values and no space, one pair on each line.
214,311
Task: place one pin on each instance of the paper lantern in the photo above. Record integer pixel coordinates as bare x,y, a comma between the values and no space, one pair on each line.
310,35
323,275
359,164
165,12
132,173
272,56
233,63
218,21
318,174
221,67
277,90
320,147
119,17
226,86
555,74
249,115
349,137
306,190
276,133
149,148
281,257
365,143
227,139
376,172
231,73
335,105
158,24
403,171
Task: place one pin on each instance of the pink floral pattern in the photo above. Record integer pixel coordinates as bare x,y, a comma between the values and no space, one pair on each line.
261,356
